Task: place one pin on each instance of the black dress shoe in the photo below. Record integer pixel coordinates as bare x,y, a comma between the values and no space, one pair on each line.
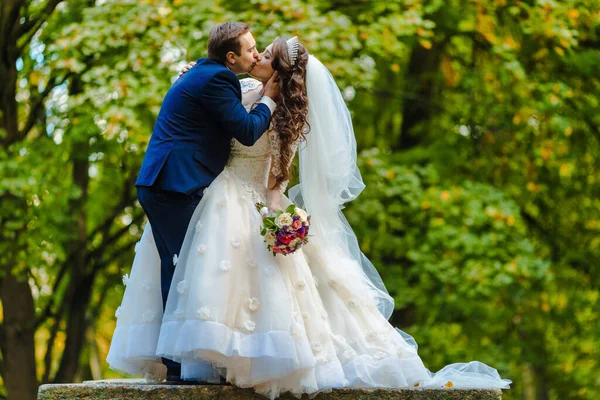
176,380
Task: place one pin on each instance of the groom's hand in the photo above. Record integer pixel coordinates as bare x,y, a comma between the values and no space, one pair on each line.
272,87
187,68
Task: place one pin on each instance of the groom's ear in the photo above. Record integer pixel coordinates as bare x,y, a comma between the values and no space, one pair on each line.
230,57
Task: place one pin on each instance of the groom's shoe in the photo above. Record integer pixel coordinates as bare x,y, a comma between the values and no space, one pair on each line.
176,380
224,381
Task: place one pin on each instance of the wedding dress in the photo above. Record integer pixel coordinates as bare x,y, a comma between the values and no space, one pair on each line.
303,323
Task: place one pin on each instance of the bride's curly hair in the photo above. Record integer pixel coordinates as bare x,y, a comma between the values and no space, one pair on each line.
290,118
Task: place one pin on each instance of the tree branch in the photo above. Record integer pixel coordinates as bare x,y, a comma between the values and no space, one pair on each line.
31,120
29,29
97,253
103,227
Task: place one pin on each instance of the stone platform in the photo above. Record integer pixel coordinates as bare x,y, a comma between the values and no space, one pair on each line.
135,389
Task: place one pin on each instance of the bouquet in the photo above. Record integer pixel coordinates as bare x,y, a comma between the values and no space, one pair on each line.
284,231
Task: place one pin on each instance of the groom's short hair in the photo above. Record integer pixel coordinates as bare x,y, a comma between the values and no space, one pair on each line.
224,38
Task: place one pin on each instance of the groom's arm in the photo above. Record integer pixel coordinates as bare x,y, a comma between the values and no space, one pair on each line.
220,97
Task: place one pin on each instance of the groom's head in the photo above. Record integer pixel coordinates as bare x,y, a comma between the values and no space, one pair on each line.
232,44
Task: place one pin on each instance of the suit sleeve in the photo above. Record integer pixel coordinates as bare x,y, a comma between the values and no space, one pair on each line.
220,96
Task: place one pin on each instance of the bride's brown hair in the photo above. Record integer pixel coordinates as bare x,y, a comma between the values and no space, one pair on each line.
290,118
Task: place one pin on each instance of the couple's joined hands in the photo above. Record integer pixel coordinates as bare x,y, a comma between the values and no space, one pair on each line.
271,89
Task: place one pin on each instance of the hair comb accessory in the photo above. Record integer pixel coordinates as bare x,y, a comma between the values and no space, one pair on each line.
292,48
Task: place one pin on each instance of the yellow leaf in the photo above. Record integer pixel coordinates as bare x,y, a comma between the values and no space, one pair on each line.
566,170
449,384
389,174
448,71
556,88
445,195
34,78
533,187
517,119
559,51
546,153
485,26
569,131
510,42
510,221
541,53
425,43
573,13
395,67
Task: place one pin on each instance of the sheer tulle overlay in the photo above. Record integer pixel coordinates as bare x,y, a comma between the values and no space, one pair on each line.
298,323
303,323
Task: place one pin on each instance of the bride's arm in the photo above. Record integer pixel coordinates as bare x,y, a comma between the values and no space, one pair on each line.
273,195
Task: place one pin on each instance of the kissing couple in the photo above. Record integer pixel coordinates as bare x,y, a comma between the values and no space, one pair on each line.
206,300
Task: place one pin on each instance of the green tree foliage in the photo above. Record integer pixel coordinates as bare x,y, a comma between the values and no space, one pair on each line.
479,135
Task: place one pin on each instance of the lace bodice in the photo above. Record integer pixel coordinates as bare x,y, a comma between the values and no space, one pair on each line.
253,164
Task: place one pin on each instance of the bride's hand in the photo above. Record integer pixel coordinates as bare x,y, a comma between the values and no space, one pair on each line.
273,200
187,68
271,88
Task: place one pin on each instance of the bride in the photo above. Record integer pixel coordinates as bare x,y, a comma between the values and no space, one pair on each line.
307,322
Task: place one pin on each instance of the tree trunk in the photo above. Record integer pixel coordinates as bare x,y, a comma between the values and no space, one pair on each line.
542,389
81,282
9,53
420,87
17,338
76,329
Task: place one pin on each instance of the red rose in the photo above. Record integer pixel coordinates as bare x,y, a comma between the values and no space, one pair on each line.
297,224
286,239
276,249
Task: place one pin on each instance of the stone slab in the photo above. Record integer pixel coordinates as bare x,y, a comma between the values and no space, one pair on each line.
135,389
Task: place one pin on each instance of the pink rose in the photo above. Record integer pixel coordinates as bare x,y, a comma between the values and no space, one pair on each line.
297,224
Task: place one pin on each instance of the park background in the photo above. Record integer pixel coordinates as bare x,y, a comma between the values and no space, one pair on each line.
478,132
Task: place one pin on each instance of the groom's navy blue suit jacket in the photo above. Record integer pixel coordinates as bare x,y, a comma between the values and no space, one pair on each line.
199,116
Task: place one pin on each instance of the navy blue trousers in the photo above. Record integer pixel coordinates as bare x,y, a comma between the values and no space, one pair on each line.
169,214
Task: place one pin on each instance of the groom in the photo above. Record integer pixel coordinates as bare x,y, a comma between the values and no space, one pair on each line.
190,142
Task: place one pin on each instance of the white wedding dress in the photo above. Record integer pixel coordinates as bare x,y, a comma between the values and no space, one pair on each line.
302,323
